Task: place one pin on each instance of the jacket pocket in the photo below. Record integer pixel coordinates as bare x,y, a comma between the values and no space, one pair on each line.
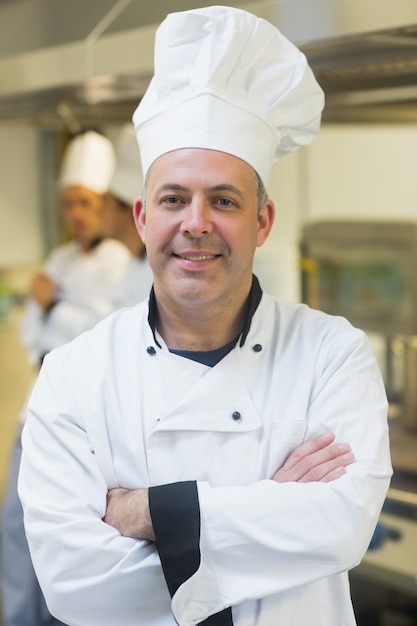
285,437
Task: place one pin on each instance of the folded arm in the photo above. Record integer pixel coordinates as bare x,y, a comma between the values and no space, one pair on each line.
317,460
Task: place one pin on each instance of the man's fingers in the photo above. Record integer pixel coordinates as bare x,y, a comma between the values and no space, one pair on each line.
316,460
309,447
329,470
333,475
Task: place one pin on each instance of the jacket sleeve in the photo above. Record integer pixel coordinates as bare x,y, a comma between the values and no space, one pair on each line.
90,575
265,538
180,501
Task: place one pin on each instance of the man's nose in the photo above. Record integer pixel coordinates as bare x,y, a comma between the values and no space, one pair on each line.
197,219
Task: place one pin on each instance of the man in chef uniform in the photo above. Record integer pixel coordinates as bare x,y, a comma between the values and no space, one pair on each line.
172,481
118,222
74,291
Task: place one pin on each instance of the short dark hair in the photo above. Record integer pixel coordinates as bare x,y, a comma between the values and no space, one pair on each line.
261,193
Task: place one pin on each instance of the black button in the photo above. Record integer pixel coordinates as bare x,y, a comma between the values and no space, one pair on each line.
236,415
151,350
257,347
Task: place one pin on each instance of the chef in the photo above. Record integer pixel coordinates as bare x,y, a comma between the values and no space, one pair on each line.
118,222
71,294
74,291
184,462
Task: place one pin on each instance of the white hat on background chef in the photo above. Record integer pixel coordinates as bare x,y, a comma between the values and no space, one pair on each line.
126,184
89,162
227,80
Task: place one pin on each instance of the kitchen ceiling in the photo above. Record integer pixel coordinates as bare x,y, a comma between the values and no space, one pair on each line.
85,64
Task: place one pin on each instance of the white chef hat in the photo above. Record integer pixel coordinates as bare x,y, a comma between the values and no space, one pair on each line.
227,80
88,161
127,179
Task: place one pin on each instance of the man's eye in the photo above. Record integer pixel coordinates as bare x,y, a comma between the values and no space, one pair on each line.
225,203
172,200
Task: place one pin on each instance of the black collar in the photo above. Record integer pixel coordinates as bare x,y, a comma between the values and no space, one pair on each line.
255,296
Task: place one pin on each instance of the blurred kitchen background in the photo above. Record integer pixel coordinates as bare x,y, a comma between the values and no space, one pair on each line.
345,238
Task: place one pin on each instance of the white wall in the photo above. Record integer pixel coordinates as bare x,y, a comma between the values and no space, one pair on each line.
363,172
276,262
20,225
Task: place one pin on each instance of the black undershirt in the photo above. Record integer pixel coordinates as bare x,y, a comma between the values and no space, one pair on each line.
207,357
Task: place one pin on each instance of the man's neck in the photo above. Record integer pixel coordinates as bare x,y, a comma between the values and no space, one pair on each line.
199,331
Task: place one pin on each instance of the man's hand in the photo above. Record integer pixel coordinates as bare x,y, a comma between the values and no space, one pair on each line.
317,460
43,291
128,512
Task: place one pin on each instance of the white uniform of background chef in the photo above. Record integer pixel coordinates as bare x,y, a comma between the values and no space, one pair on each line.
80,278
118,222
228,536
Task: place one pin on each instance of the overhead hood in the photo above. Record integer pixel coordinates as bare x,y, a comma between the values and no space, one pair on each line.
88,63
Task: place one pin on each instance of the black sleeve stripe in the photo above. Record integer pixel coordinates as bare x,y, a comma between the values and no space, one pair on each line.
175,513
224,618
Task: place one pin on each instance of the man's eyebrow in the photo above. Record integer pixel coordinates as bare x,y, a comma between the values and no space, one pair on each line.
225,187
213,189
171,187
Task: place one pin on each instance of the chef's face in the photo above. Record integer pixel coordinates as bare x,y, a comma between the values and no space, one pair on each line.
81,210
201,227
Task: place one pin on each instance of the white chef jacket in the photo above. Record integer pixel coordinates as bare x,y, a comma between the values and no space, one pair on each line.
115,408
86,282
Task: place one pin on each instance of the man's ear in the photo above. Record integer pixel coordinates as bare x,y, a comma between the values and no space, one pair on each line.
265,221
139,215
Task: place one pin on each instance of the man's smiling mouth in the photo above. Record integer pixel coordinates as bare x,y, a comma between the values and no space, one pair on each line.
196,257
